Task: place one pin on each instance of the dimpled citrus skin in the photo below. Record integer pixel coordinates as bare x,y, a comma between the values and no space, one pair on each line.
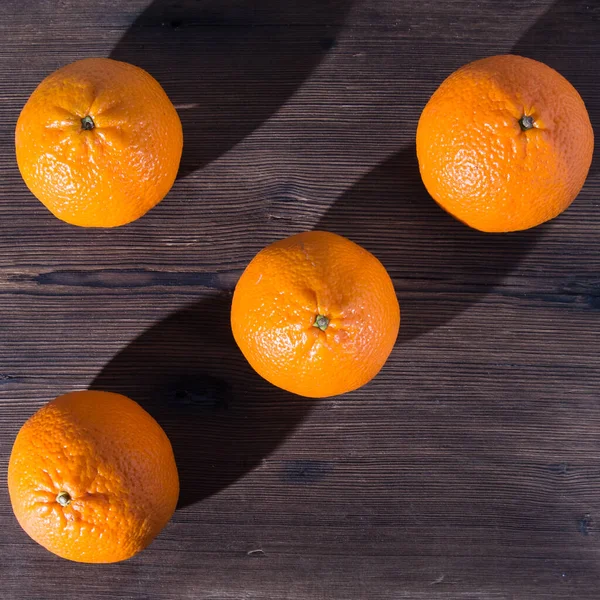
479,164
114,461
281,293
117,171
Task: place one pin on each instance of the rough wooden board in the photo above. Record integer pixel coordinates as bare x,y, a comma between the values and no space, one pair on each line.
469,468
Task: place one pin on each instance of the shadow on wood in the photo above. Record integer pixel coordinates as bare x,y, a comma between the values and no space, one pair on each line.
558,38
228,65
221,417
439,266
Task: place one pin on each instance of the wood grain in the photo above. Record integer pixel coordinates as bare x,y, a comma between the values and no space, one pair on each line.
470,467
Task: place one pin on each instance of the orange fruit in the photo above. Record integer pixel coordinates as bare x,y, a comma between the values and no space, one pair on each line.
315,314
92,477
99,143
505,144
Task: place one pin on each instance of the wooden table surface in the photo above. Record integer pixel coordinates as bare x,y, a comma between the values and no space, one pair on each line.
470,467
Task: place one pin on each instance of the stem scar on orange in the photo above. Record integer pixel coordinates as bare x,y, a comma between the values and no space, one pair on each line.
315,314
92,477
505,144
99,143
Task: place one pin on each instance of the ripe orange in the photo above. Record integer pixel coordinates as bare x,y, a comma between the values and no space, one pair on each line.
92,477
504,144
99,143
315,314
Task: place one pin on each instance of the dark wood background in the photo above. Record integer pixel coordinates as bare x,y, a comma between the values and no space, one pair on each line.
470,467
